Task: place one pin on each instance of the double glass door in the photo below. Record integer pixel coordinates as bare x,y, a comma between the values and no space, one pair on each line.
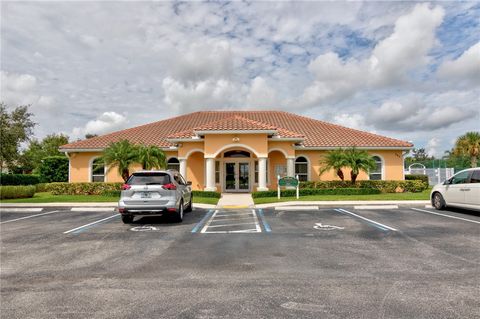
237,176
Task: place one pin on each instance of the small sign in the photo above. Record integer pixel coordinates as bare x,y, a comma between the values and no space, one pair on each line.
288,181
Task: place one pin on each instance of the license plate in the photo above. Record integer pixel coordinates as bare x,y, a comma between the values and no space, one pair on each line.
145,195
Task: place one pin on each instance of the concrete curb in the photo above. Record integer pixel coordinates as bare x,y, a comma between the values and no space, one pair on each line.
346,203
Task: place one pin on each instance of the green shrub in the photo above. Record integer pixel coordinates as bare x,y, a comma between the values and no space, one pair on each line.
414,186
414,177
19,179
9,192
41,187
318,191
54,169
83,188
206,194
111,193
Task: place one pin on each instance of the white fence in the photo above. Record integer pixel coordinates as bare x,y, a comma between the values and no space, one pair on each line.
435,175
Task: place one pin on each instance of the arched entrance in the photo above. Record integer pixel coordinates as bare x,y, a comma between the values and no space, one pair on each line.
237,171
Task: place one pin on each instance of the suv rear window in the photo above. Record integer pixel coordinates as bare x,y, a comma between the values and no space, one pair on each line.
149,179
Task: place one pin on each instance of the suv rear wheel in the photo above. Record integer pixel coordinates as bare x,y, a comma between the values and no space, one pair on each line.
127,219
189,207
179,214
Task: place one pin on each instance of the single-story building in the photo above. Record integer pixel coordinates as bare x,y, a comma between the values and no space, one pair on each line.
240,151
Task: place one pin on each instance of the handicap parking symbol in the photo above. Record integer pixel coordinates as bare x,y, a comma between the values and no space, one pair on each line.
144,228
320,226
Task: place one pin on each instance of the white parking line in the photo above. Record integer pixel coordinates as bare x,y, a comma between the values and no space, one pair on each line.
444,215
341,210
233,214
21,218
92,209
204,229
223,219
96,222
296,208
253,230
207,229
26,210
376,207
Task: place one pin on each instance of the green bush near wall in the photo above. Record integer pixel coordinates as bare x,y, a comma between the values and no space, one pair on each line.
414,186
414,177
83,188
206,194
318,191
54,169
19,179
10,192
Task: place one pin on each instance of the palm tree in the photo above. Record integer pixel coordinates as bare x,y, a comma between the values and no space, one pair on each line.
469,145
334,160
121,154
151,157
358,160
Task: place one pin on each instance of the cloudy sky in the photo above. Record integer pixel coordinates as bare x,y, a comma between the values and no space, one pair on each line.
402,69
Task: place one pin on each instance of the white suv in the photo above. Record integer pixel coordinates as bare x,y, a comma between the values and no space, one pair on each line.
461,190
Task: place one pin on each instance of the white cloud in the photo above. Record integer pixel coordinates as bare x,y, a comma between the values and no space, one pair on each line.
21,89
356,121
261,95
392,59
464,69
432,147
105,123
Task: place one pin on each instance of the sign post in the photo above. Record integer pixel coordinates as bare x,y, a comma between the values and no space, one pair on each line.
288,181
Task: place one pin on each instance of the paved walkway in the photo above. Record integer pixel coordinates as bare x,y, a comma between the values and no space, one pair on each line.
229,200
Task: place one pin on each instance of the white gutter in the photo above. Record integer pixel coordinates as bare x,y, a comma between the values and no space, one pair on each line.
323,148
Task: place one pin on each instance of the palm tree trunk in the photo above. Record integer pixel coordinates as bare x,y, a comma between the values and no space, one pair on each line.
340,174
353,177
473,161
125,174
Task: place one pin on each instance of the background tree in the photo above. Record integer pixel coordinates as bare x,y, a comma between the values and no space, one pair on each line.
151,157
468,145
334,160
357,161
121,155
88,135
36,151
53,169
16,127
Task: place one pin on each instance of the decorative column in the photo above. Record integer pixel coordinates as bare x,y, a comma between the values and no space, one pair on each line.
183,167
210,174
262,174
291,166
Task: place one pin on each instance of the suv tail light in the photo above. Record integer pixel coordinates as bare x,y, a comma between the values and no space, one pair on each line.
170,186
126,187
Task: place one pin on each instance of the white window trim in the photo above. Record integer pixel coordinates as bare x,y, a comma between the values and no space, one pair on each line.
308,165
90,164
170,157
382,178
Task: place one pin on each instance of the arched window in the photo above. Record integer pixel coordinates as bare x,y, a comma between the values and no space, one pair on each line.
301,168
173,163
98,170
377,173
236,154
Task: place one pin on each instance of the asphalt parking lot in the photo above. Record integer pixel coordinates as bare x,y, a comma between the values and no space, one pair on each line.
339,262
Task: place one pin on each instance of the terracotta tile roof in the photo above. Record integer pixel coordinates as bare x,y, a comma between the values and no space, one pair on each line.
316,133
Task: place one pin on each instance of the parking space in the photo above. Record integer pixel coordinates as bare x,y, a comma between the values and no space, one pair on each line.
241,263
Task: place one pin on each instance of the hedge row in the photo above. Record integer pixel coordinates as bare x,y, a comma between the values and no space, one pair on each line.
414,177
414,186
19,179
318,191
96,188
206,194
9,192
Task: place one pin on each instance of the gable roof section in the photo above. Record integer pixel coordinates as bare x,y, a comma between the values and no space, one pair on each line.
316,133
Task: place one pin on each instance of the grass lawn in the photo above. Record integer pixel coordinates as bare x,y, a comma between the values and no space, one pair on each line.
47,197
389,196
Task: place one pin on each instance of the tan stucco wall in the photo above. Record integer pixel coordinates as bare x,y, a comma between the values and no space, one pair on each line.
215,142
287,147
196,170
189,147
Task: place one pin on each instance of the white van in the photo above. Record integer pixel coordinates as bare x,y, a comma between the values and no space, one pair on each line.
461,190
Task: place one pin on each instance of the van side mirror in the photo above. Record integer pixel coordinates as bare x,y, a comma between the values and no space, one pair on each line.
189,183
447,182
